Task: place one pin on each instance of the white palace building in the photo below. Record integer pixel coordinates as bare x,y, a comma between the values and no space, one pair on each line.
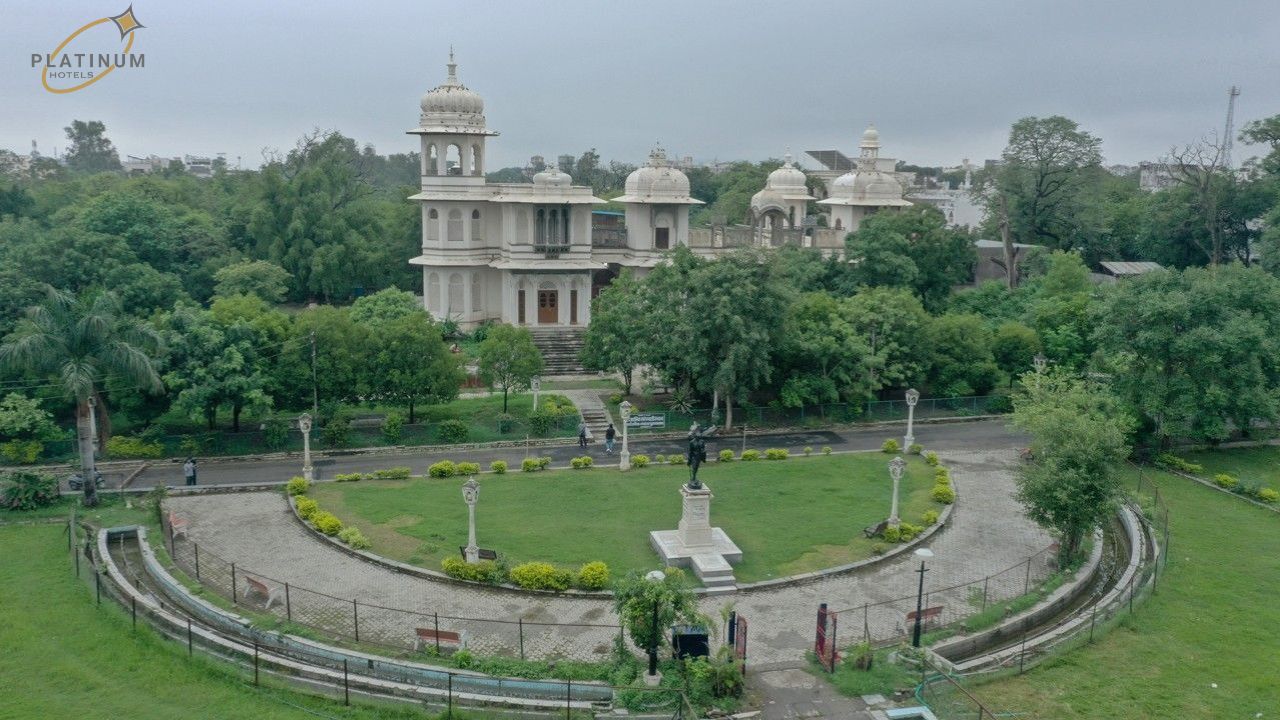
531,254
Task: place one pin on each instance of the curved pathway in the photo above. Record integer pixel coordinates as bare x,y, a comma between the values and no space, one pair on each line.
987,533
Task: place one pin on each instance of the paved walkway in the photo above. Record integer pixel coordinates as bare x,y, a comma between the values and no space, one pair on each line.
988,533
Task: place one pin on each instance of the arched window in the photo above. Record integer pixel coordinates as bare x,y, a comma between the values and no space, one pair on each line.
455,294
839,224
433,214
433,225
475,214
455,225
540,227
431,161
453,160
433,294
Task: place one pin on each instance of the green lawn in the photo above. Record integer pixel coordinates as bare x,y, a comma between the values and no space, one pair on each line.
1259,465
1213,620
788,516
65,658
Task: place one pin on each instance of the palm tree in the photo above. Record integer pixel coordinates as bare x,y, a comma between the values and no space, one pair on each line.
79,343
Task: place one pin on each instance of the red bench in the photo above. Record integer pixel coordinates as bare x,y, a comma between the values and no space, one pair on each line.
261,589
429,636
177,525
928,616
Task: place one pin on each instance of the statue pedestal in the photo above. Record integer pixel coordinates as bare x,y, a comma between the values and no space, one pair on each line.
698,545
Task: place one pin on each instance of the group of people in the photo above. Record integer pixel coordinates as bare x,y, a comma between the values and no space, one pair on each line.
584,434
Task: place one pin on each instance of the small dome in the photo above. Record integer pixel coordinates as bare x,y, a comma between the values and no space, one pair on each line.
452,103
657,181
552,177
867,185
787,177
870,137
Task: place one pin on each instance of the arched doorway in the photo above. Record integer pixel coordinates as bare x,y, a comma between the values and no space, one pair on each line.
548,304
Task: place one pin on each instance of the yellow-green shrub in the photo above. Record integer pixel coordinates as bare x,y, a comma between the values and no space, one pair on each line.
541,576
1269,495
593,576
890,446
297,485
393,473
123,446
443,469
726,455
467,468
930,517
931,457
326,522
485,571
639,460
306,507
943,494
530,465
750,455
499,467
1224,480
776,454
892,534
353,537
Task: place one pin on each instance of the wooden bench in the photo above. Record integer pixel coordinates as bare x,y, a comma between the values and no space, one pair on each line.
484,554
875,530
177,525
928,616
257,587
429,636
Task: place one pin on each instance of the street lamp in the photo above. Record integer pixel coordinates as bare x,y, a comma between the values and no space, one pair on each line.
656,577
913,397
535,384
471,493
1040,361
304,425
624,458
923,554
896,467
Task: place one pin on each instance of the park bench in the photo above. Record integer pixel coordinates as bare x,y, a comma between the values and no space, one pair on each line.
875,530
177,525
261,589
484,553
928,616
435,638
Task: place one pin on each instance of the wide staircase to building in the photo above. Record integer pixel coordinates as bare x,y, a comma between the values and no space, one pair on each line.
559,348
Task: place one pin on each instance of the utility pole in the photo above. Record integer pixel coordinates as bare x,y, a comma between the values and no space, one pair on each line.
1232,94
315,391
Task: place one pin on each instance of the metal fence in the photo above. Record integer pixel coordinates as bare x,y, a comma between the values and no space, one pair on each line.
818,415
391,627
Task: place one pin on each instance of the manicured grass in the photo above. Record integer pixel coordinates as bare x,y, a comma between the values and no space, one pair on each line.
788,516
1257,465
1213,620
65,658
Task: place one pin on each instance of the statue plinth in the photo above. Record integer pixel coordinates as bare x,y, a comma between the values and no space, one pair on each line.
696,544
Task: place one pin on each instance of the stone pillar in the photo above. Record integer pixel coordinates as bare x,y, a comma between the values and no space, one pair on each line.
471,493
304,424
695,518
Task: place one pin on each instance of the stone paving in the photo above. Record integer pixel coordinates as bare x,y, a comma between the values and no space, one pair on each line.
987,533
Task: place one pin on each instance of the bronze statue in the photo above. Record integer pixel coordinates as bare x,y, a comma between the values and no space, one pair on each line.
697,453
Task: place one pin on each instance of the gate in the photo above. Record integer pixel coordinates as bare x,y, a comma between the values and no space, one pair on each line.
824,643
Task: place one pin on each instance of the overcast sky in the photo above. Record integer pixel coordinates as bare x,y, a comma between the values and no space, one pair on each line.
715,80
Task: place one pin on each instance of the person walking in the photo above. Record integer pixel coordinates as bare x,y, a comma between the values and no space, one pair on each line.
609,434
189,470
582,434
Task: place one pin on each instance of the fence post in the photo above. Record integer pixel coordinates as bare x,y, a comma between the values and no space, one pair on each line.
77,554
1131,579
234,600
288,606
196,548
985,581
190,648
568,699
436,616
346,685
172,541
1093,618
133,610
255,662
866,625
1027,588
97,586
355,618
450,715
1022,654
521,628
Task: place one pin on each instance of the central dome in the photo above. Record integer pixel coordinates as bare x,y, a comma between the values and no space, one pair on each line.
787,177
657,182
552,177
451,103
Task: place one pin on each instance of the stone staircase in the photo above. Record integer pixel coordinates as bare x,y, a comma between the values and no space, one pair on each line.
559,348
592,411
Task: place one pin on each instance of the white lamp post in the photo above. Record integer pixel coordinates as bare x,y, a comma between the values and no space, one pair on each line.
913,397
624,458
470,493
304,425
896,467
535,385
923,554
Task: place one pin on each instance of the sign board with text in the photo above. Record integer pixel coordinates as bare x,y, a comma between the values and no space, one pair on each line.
648,421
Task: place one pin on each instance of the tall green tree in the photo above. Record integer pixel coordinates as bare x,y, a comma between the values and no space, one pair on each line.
509,360
615,340
335,372
822,355
211,366
893,324
410,363
385,306
90,150
78,344
1078,443
913,248
1014,348
960,359
648,608
252,277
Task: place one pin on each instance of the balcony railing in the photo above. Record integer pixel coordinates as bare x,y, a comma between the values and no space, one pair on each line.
608,237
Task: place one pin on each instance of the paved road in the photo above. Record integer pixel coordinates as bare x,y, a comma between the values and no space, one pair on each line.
941,437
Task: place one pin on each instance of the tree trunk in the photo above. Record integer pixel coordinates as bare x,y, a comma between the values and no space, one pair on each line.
211,418
410,412
235,416
728,411
1010,254
84,438
104,420
504,399
626,381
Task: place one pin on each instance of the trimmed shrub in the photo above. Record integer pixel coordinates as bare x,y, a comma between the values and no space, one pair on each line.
1224,480
726,455
776,454
499,467
544,463
826,449
468,468
21,452
125,447
349,477
25,490
392,473
593,576
485,571
639,460
1269,495
659,459
943,494
750,455
892,534
1173,462
579,463
890,446
915,448
393,426
353,537
541,576
616,399
930,517
808,450
931,458
530,465
878,548
443,469
942,476
541,421
326,522
307,508
297,485
908,532
453,431
675,459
